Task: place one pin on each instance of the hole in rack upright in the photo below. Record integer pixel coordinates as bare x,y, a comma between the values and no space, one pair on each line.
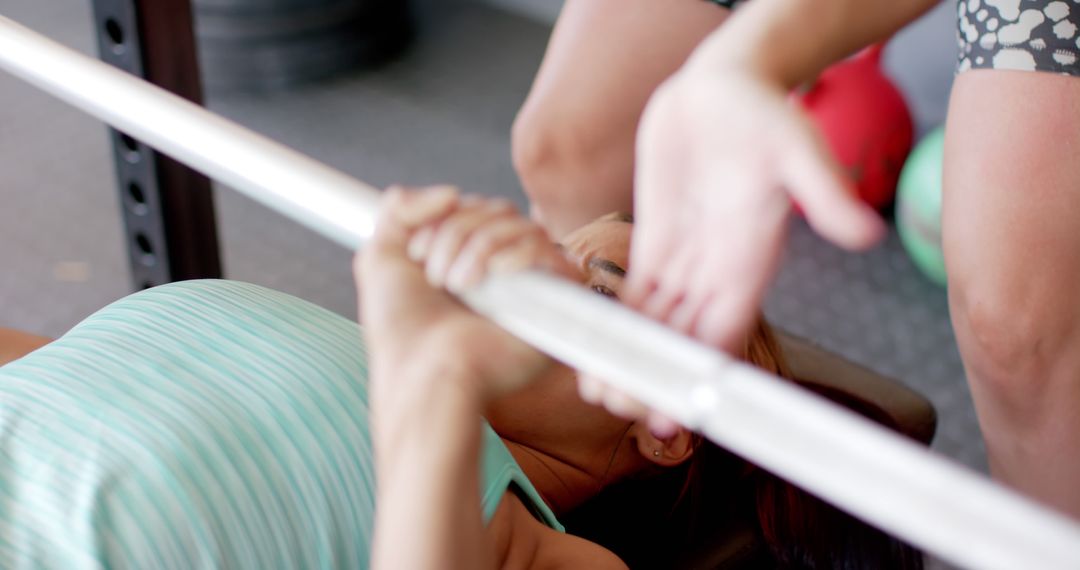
115,32
138,199
146,250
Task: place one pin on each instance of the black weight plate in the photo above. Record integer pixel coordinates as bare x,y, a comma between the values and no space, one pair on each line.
282,25
254,6
273,65
214,25
344,31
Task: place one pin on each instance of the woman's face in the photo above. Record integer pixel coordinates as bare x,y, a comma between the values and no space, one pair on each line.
549,415
601,251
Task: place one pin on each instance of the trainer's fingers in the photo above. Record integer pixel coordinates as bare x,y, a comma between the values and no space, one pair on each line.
710,276
662,302
638,288
624,406
650,252
596,391
673,287
823,191
724,320
591,389
662,426
685,315
659,235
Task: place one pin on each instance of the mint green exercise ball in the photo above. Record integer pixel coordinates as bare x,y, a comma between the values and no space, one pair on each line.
918,205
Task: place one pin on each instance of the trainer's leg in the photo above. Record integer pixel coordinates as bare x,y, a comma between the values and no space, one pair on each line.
573,140
1012,250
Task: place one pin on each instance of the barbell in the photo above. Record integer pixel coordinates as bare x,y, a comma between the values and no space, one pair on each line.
859,466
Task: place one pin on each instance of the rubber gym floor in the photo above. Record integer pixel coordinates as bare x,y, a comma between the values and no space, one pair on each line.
440,113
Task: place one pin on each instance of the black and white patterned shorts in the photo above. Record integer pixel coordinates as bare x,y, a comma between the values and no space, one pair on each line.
1028,35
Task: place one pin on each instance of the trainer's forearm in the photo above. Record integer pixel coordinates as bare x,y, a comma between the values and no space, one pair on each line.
791,41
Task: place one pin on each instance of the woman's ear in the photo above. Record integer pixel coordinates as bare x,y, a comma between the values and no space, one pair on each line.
663,451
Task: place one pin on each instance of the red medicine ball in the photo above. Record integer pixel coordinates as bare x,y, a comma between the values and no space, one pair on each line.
865,121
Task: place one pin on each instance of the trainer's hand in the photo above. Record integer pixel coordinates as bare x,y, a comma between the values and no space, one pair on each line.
425,241
721,154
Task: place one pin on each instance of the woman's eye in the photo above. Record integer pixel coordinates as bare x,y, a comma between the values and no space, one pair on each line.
604,291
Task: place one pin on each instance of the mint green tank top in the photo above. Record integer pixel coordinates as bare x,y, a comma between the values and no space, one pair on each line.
199,425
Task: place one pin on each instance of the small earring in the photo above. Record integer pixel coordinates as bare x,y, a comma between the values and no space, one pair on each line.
656,453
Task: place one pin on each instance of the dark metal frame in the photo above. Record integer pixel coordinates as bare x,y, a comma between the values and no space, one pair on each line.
168,209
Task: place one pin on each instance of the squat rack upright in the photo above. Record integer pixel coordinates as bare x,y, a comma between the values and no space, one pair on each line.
167,208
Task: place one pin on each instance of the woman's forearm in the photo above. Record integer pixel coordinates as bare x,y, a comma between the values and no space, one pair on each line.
427,442
791,41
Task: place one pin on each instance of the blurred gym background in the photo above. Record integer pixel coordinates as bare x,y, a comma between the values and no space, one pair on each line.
440,111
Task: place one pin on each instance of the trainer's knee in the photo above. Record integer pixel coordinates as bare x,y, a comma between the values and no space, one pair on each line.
545,150
572,168
531,147
1009,342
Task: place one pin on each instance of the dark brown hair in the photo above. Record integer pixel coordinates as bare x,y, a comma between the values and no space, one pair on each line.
672,518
